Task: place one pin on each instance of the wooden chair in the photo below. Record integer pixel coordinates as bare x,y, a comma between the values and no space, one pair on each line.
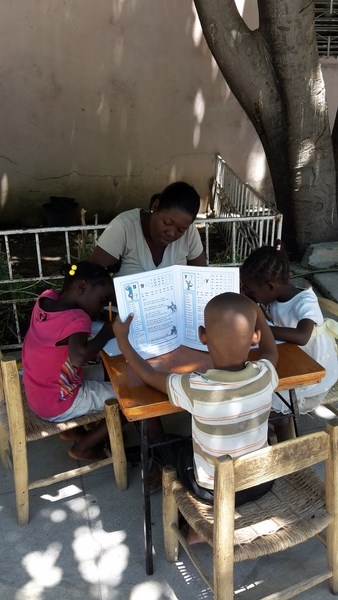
19,425
329,307
299,506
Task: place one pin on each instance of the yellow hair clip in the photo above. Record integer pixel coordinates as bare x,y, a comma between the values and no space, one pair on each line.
72,270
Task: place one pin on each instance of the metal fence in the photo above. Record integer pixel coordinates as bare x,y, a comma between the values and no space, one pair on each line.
246,221
326,26
30,259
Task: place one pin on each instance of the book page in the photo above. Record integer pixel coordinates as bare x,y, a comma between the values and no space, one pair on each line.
152,298
168,305
198,285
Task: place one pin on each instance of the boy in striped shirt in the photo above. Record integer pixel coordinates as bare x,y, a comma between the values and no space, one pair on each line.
230,404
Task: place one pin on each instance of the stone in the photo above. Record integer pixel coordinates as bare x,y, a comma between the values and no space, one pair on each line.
327,284
321,256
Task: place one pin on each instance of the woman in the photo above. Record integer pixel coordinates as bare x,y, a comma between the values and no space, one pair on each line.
142,240
160,237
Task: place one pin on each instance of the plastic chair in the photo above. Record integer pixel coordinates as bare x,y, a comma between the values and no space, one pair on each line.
298,506
19,425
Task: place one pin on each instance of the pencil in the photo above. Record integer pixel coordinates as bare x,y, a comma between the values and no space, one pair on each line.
110,313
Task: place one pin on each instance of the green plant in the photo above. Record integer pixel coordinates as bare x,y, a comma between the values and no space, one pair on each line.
16,299
224,258
84,241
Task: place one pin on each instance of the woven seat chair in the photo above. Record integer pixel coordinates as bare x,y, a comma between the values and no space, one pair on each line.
330,307
298,506
19,425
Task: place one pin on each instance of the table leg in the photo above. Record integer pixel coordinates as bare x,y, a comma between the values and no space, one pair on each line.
295,410
292,405
146,498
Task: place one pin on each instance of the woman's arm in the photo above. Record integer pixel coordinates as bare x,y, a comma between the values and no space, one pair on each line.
295,335
200,261
103,258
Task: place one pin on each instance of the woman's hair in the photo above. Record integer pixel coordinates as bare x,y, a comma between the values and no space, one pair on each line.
86,270
178,195
267,264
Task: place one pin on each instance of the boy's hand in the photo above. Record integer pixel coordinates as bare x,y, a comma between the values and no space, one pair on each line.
121,329
143,369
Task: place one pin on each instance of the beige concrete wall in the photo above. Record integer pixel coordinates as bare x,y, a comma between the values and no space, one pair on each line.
107,102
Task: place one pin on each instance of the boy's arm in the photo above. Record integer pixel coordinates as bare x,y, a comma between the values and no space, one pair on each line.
144,370
267,345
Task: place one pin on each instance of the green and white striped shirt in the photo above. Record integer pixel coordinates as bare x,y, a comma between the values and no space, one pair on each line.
230,412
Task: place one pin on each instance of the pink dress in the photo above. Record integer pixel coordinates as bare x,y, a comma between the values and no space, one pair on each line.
51,381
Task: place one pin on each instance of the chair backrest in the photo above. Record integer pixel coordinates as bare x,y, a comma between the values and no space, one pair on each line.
328,306
269,464
13,398
275,461
282,459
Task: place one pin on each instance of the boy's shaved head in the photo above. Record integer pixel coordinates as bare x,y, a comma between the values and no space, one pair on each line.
230,319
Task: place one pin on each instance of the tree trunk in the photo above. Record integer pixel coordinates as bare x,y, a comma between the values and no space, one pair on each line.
275,74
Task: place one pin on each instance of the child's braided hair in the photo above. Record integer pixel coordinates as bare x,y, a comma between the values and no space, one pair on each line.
267,264
88,271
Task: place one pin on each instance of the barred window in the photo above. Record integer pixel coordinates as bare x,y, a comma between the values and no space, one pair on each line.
326,26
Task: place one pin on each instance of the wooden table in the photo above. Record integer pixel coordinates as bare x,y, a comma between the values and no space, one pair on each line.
140,402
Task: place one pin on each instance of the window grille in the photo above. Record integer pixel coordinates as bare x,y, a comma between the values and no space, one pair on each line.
326,26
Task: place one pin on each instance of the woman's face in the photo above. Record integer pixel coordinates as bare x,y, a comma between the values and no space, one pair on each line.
169,224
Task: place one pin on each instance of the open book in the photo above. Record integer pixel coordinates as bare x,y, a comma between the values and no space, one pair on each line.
168,304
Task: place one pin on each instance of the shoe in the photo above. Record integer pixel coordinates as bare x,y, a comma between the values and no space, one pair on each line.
92,455
72,435
154,479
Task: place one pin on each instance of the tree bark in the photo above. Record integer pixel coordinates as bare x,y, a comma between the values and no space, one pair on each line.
275,74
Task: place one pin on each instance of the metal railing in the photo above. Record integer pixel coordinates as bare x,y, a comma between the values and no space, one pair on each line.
326,26
30,259
246,221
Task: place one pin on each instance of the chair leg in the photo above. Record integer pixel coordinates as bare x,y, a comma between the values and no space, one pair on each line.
20,474
112,415
4,447
332,505
17,438
224,525
169,515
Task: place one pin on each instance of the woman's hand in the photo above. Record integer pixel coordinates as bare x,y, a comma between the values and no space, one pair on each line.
121,329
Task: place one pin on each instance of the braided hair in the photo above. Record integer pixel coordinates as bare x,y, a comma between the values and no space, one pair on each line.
87,271
267,264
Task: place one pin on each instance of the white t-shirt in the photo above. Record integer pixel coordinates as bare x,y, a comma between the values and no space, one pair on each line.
320,346
124,237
